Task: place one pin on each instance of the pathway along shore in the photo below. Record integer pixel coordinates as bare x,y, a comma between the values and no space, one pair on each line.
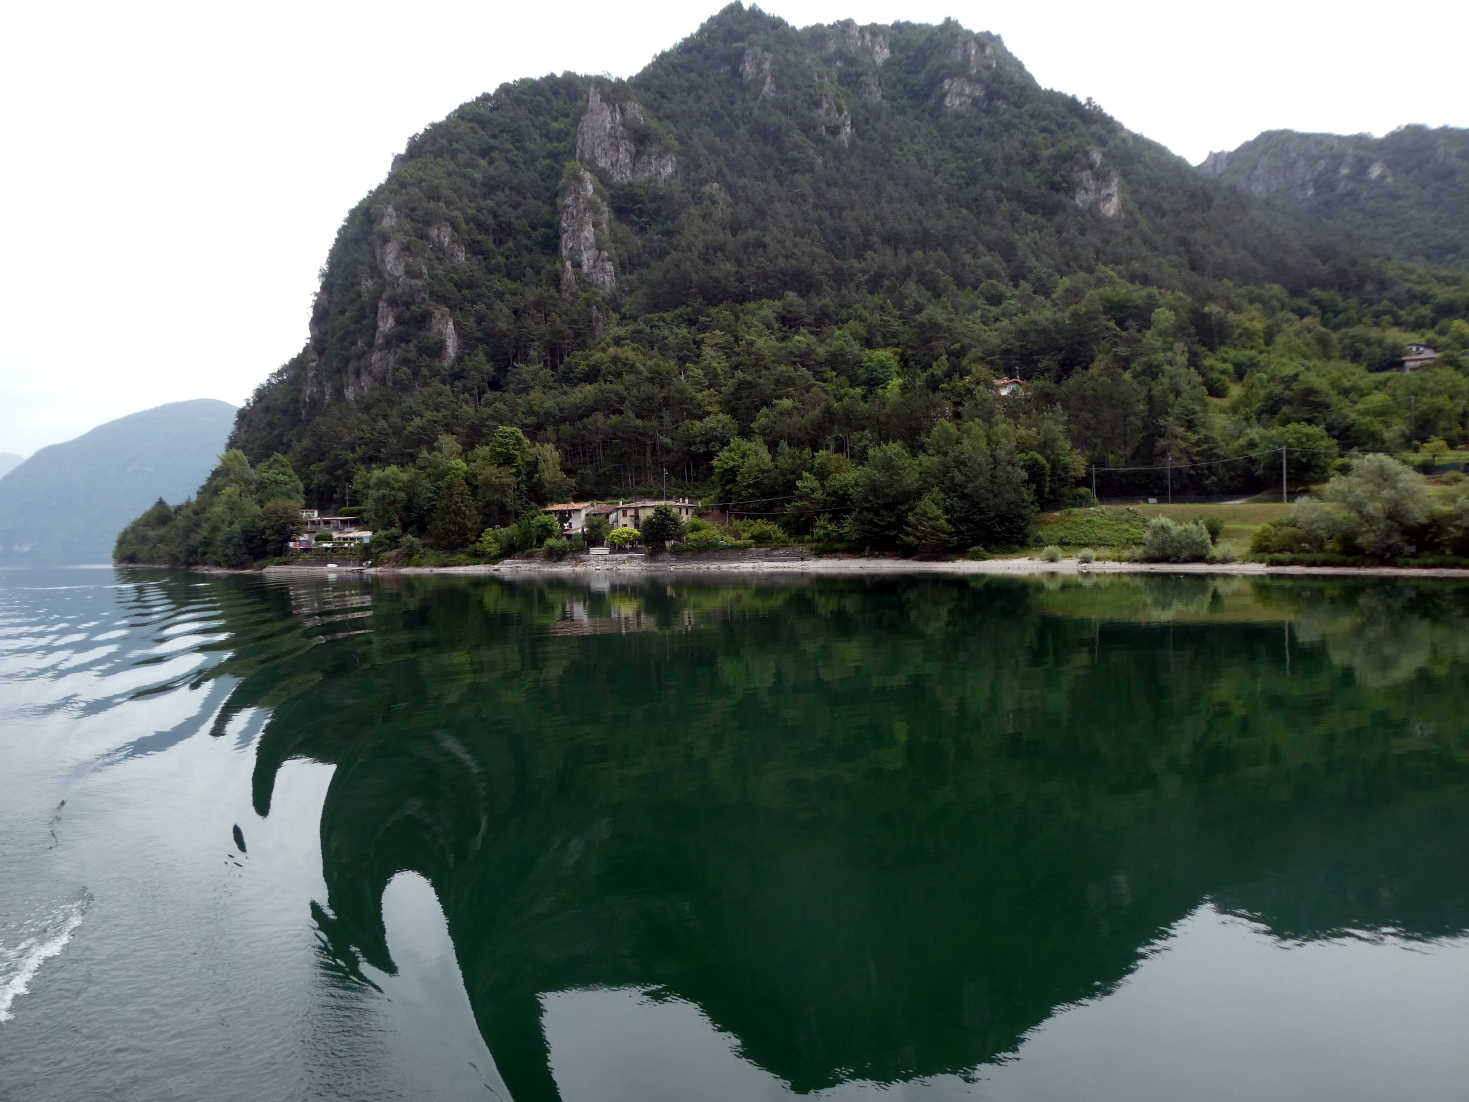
793,561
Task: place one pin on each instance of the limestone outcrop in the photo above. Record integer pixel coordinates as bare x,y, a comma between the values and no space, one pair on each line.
614,138
584,227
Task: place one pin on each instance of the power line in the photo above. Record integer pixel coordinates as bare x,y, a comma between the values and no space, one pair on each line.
1212,462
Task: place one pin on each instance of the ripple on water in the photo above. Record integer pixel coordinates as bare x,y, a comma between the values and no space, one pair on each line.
32,943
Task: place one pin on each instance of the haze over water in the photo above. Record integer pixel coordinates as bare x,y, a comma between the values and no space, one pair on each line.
1130,838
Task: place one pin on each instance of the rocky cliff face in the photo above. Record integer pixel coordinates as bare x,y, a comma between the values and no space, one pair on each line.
1406,194
615,139
1300,167
584,229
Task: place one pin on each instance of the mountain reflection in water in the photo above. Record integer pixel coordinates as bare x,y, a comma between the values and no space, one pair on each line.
875,829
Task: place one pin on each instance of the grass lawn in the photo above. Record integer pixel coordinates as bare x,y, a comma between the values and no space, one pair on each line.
1117,526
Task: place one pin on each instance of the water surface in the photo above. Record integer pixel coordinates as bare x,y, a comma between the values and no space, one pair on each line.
1127,838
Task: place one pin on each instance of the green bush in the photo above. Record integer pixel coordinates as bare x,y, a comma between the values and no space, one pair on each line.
1213,525
1086,555
623,537
1051,554
488,546
555,548
707,538
761,532
385,541
1169,541
411,550
827,531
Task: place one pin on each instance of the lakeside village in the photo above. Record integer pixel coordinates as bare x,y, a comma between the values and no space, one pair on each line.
344,533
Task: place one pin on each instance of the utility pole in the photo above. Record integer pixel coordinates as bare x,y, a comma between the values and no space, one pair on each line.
1094,484
1284,499
1170,480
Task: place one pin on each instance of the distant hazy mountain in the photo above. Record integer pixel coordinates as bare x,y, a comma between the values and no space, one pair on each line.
8,462
1407,194
66,503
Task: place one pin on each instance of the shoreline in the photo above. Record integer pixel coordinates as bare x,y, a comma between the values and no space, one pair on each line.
854,566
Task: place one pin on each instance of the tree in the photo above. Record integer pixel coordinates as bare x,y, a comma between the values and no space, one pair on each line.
454,521
595,530
661,529
623,537
1388,501
280,523
928,531
385,495
276,479
886,487
1309,453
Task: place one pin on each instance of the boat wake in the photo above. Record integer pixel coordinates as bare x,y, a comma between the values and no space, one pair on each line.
24,950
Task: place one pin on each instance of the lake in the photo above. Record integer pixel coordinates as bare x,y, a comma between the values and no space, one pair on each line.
1139,837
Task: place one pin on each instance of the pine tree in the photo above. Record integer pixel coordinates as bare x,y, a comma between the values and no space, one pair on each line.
928,531
453,522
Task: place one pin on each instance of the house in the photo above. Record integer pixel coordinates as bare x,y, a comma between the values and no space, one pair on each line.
315,522
631,514
571,515
344,532
1418,355
1004,388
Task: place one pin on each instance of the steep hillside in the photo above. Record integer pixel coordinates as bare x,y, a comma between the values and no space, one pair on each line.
8,462
1406,194
783,269
751,161
66,503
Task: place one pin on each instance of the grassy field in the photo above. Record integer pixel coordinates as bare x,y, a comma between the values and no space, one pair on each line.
1120,526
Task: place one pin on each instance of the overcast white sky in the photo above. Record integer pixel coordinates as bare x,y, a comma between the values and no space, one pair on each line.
173,174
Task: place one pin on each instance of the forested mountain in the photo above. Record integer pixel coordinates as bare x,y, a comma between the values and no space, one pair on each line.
783,268
9,461
66,503
1407,193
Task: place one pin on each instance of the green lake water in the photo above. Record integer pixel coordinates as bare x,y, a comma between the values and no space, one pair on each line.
924,838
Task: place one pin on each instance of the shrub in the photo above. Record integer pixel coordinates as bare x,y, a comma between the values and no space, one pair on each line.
976,554
762,533
696,524
543,526
1167,541
1086,555
1213,525
1278,538
827,531
555,548
386,540
1223,552
1051,554
622,537
411,550
488,545
1389,502
707,538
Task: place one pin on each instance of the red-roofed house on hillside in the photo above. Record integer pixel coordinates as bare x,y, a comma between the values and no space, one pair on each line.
571,515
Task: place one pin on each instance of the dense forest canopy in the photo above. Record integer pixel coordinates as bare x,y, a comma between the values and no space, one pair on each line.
787,266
